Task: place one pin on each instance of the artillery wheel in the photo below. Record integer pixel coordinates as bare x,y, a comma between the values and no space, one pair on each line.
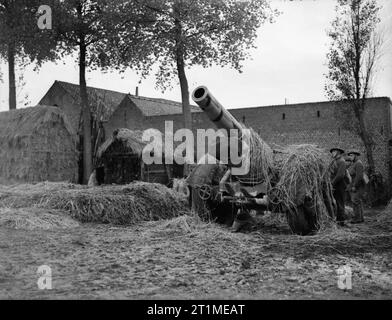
205,177
211,209
206,192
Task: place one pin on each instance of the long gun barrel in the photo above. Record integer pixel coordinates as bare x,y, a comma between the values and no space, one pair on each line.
221,118
215,111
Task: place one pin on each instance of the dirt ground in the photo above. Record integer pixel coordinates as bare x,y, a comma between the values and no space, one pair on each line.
187,259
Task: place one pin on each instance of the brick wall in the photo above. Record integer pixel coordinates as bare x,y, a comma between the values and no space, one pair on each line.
313,123
317,123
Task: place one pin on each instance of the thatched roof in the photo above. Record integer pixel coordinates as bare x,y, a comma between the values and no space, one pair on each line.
132,139
26,122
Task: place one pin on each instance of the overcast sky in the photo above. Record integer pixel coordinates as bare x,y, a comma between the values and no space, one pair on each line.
289,63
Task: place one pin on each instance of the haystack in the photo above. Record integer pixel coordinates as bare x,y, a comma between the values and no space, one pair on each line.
385,218
303,172
35,219
260,162
36,144
389,208
120,205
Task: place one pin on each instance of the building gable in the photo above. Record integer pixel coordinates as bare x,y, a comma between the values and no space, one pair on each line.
127,115
59,97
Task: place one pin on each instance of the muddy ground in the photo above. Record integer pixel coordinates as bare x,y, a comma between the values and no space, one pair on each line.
185,258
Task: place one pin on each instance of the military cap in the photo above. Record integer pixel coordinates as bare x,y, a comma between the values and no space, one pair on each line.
356,152
337,149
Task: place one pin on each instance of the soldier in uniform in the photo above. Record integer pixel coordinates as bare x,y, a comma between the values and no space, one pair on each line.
357,186
338,175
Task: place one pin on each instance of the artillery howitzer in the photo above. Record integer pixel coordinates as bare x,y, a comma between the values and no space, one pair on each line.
228,198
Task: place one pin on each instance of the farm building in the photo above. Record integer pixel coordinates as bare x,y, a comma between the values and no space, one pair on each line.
114,109
315,123
120,161
36,144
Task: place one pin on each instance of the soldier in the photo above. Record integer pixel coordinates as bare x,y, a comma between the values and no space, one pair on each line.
357,186
338,175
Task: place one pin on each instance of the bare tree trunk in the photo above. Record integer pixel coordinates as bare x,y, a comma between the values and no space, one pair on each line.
367,141
87,146
186,109
11,76
364,134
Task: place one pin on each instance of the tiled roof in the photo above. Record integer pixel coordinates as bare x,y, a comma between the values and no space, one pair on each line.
151,107
105,102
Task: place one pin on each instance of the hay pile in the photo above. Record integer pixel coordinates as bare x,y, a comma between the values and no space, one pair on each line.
39,187
26,195
304,172
121,205
183,225
35,219
388,209
261,161
384,219
36,144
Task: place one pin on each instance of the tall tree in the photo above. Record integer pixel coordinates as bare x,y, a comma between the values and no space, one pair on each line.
21,41
356,47
91,28
187,33
83,26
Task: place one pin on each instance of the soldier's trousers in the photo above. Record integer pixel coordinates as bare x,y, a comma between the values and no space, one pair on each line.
357,200
339,193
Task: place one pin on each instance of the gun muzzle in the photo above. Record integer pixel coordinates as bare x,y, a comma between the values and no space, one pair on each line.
215,111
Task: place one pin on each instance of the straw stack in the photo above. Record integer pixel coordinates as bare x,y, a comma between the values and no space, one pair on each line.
120,205
304,173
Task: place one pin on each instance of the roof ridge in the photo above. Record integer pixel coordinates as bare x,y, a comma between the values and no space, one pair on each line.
89,87
155,99
172,102
176,103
